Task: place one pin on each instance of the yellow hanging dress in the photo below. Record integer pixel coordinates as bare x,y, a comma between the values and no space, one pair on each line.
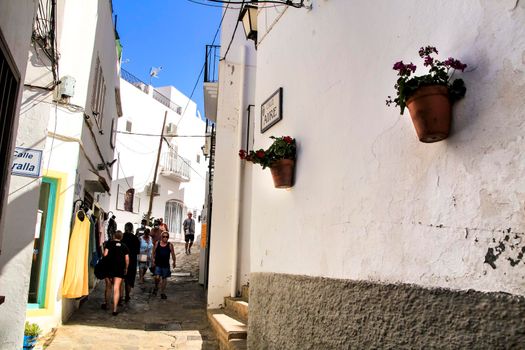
76,277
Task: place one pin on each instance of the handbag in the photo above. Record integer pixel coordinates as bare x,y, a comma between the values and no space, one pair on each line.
143,257
101,269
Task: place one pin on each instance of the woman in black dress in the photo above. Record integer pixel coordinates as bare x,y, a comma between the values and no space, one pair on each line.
117,255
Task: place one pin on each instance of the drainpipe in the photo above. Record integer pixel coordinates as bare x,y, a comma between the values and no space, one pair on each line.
240,166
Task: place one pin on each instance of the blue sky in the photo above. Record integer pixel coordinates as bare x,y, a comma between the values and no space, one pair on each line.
167,33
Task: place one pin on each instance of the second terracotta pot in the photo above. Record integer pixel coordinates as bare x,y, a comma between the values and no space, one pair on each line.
431,112
283,173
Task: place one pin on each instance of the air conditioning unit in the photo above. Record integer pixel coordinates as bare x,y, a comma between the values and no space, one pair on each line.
66,88
170,129
155,189
207,144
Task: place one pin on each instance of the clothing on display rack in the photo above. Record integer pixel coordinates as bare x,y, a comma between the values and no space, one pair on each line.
76,276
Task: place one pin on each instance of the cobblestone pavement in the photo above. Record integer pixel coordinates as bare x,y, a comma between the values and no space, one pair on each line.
146,322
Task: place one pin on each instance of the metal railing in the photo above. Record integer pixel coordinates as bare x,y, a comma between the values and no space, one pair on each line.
133,80
167,102
174,163
211,72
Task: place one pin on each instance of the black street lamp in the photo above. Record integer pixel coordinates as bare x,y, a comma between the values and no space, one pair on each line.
248,17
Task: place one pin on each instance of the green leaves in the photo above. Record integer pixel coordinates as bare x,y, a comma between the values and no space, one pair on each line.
438,74
283,147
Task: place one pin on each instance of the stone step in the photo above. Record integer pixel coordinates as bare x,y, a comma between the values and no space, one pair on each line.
230,332
237,307
245,293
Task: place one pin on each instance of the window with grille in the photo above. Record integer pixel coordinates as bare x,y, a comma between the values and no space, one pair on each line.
9,86
173,215
99,94
128,126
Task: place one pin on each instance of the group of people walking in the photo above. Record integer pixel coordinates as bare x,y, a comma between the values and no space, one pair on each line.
146,249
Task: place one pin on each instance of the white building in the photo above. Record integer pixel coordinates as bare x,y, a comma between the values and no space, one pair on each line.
182,168
16,20
384,241
70,105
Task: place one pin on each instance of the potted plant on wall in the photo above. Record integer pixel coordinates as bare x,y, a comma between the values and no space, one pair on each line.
279,157
429,97
31,333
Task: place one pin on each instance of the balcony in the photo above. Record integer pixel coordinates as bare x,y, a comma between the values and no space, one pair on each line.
175,167
211,81
133,80
167,102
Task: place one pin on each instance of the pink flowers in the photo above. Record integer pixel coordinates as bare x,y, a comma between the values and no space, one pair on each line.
455,64
439,73
404,69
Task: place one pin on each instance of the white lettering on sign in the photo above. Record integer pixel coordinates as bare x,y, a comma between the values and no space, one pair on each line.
271,110
26,162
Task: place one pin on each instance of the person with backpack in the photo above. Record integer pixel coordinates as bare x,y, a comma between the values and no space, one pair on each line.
161,260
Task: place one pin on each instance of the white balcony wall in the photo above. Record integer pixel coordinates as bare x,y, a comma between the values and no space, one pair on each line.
137,154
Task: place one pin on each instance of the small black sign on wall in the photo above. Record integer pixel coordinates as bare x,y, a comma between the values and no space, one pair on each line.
272,110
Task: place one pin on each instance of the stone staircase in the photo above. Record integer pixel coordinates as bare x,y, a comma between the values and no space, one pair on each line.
230,323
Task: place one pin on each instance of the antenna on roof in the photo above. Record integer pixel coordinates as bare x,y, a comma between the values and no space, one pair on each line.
154,72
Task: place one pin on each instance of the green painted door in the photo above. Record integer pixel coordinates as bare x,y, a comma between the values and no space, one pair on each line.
42,244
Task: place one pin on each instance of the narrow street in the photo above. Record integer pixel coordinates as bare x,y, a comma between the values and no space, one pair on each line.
146,322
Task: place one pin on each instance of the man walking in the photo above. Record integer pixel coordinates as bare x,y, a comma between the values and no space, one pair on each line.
189,232
140,231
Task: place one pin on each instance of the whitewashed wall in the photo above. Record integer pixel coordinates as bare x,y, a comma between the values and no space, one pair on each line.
40,115
370,201
16,18
235,94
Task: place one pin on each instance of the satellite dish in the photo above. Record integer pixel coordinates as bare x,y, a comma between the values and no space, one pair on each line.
154,72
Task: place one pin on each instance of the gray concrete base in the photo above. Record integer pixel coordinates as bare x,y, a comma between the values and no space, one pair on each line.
300,312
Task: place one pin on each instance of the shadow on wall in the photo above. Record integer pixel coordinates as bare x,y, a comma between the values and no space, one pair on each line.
19,230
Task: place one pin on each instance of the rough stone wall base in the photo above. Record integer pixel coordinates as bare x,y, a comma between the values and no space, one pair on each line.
300,312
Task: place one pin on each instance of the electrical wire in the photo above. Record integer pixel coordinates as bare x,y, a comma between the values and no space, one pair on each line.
203,65
157,135
234,8
233,35
123,173
286,2
209,5
53,139
132,150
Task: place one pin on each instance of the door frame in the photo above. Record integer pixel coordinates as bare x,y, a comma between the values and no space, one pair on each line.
48,238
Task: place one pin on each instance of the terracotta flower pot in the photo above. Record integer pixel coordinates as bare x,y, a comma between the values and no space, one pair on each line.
283,173
431,112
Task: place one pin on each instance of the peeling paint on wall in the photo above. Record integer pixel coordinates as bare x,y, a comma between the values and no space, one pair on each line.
511,246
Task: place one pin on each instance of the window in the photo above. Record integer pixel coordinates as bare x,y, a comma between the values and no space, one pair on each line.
127,200
128,125
98,96
198,158
9,85
173,215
